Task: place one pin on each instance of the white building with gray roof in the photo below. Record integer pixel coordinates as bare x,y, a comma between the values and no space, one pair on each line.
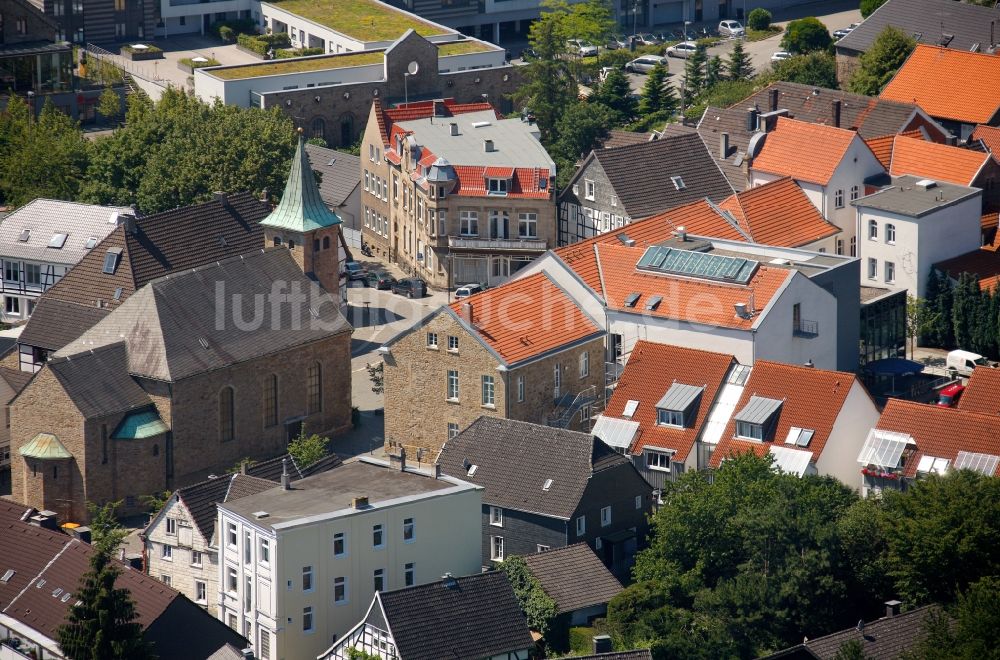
41,241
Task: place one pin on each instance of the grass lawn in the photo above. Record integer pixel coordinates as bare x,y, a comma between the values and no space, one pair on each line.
463,47
298,66
365,20
758,35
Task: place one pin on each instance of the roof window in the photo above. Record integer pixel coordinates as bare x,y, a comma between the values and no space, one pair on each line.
630,408
932,465
982,463
111,259
25,235
631,299
118,293
547,485
7,575
653,303
799,437
91,242
57,241
678,182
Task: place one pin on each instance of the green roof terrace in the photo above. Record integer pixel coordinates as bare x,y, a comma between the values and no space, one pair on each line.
364,20
464,47
297,65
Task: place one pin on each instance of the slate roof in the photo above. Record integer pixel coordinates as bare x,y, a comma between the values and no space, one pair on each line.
16,378
649,372
806,152
516,458
340,173
968,24
811,399
476,618
883,639
779,213
928,78
940,432
43,218
574,577
170,325
984,263
166,242
982,392
619,138
47,568
647,190
98,381
940,162
526,318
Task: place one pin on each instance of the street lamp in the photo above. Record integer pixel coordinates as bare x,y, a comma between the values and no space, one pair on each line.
686,24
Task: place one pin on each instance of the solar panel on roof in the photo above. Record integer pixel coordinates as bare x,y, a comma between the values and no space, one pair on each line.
697,264
982,463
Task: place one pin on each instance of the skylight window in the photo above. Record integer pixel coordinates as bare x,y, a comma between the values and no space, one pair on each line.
630,408
547,485
981,463
57,241
7,575
472,470
653,303
932,465
91,242
25,235
631,299
118,293
111,261
678,182
799,436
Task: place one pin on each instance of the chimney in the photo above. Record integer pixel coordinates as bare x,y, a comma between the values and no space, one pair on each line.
488,146
221,198
892,608
681,233
286,483
360,502
127,220
449,581
243,467
951,140
467,312
398,461
437,471
439,109
723,145
751,120
46,520
602,644
454,128
774,99
993,41
247,653
836,113
264,195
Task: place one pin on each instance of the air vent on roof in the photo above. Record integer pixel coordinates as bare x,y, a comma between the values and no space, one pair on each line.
222,241
25,235
945,39
624,238
547,485
40,584
314,312
57,592
57,241
260,514
631,299
480,124
118,293
91,242
678,182
66,597
203,342
926,184
7,575
653,303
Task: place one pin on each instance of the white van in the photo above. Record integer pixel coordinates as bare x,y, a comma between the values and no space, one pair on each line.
964,362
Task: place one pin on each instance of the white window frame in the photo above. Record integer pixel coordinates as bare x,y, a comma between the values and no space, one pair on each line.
341,582
581,525
232,580
452,430
838,199
432,340
584,364
520,389
342,537
673,418
409,574
453,385
264,552
308,626
496,516
606,516
196,558
497,186
469,223
378,529
412,525
873,230
655,458
171,526
557,381
890,272
749,431
855,192
452,343
200,592
378,575
527,225
590,190
872,268
890,233
308,583
166,552
496,548
489,391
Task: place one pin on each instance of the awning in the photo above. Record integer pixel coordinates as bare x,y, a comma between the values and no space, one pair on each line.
45,446
791,461
619,433
139,425
894,367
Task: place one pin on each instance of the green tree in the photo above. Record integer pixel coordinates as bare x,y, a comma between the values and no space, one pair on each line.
713,71
851,650
538,606
805,35
109,104
156,501
591,21
971,632
817,69
881,61
939,304
376,374
653,91
868,7
355,654
920,319
738,66
549,86
759,19
965,309
307,449
694,74
616,94
106,533
581,128
102,625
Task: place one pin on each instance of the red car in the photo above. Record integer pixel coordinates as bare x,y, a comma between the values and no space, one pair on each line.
949,396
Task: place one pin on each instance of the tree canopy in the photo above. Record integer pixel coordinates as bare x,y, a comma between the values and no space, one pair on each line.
805,35
818,69
881,61
307,449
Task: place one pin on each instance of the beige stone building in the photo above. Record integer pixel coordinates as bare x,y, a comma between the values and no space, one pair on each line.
192,373
523,351
453,193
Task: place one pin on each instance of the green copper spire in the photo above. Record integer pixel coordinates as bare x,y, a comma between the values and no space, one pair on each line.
301,208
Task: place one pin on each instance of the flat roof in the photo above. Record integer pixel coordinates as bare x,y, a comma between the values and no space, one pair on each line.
297,65
464,47
515,142
905,197
333,491
364,20
807,262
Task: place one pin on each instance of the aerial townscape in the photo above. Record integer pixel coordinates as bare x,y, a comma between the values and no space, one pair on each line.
499,330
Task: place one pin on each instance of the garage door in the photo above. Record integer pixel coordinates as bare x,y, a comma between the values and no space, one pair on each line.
668,12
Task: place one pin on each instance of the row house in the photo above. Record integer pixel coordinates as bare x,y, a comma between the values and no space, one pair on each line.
40,242
460,198
523,351
300,563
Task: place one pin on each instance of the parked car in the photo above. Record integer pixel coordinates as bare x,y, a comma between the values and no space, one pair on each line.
731,29
616,42
647,39
582,48
411,287
645,64
780,55
685,49
355,271
381,279
963,362
948,397
468,290
529,54
843,32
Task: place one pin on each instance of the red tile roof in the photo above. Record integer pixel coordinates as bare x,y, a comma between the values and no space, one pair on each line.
948,83
882,146
982,394
686,299
984,262
940,162
779,213
386,117
651,369
526,183
525,318
698,219
803,151
990,135
812,399
940,432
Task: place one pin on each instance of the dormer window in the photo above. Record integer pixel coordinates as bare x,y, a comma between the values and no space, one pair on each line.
678,405
497,186
757,418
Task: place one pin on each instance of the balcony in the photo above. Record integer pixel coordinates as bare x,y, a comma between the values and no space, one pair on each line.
807,329
499,244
